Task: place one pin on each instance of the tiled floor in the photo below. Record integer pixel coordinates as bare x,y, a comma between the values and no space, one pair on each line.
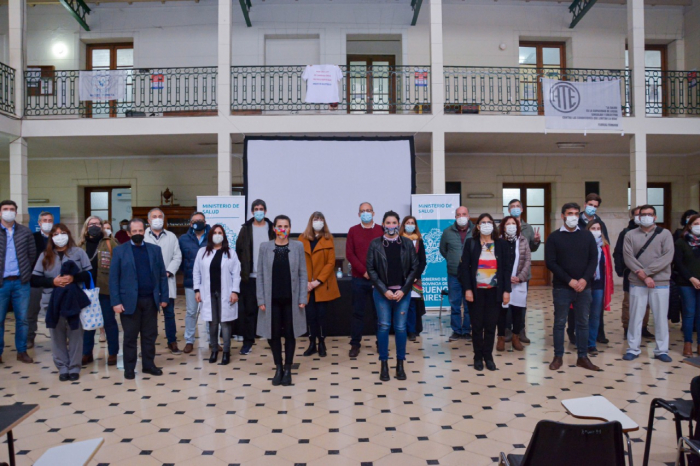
338,412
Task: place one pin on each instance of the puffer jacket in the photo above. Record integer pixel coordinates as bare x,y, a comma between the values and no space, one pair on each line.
189,246
451,246
377,265
26,251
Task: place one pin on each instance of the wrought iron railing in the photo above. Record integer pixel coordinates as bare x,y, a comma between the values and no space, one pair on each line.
672,93
363,89
7,89
146,92
515,90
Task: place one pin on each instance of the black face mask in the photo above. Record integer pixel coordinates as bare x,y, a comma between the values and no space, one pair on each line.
137,239
199,226
94,231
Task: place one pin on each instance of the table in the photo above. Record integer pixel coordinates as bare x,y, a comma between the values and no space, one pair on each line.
339,313
600,408
10,417
71,454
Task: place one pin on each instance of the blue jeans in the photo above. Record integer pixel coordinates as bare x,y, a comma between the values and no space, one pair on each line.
385,310
17,293
111,329
460,325
169,317
595,316
563,299
411,316
691,311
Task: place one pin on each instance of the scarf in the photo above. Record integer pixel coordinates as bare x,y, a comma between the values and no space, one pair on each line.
693,241
599,242
511,238
412,236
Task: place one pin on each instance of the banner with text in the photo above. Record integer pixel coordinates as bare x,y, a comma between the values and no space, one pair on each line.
584,106
103,85
434,213
228,211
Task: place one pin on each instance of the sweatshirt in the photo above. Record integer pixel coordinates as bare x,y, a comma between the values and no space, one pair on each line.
656,260
357,245
571,256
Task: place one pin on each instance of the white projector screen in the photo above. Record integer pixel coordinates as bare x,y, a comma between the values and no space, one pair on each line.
298,176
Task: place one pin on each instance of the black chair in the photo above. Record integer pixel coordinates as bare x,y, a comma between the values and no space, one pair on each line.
687,446
559,444
682,411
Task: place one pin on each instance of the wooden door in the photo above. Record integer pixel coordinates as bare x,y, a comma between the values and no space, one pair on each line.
111,57
371,84
538,60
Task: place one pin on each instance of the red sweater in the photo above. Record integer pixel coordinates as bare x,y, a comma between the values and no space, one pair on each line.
357,246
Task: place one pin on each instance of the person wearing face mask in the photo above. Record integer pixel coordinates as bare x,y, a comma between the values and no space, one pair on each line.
602,287
319,252
282,289
484,273
680,232
256,231
571,254
416,310
172,256
60,268
686,261
107,228
392,265
356,247
217,280
41,239
519,251
17,258
190,244
451,245
99,250
648,253
122,236
138,287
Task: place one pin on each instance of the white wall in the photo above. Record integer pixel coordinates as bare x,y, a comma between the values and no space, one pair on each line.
691,19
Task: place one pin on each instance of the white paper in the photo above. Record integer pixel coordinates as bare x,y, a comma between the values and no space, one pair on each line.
585,106
518,295
103,85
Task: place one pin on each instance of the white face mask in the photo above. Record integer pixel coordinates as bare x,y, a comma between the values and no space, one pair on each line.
318,225
596,233
462,221
695,229
511,230
636,220
217,239
9,215
60,240
46,227
572,221
108,232
486,228
157,224
646,220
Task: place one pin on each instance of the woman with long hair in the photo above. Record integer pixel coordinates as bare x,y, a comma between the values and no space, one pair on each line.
686,261
62,266
602,286
485,272
217,282
519,249
319,251
409,229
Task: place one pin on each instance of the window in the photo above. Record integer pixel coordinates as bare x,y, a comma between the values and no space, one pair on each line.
658,195
655,67
371,84
592,187
112,57
111,203
537,60
454,187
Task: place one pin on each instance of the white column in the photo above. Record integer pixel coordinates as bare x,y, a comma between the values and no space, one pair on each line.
437,78
223,87
224,165
635,47
638,169
19,178
437,162
16,12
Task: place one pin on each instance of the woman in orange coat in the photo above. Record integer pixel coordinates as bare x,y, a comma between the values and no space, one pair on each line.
323,284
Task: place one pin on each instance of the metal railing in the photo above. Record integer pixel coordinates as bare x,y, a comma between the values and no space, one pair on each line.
672,93
515,90
363,89
7,89
146,92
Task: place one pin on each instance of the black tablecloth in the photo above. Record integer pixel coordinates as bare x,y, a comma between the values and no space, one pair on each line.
339,314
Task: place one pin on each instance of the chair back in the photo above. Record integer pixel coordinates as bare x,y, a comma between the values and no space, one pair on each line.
559,444
695,416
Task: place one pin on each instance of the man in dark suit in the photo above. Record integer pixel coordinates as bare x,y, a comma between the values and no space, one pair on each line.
138,284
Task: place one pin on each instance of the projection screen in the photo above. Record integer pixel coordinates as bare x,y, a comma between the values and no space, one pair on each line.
297,176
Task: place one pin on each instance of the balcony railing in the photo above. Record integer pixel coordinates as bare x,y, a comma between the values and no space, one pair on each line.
7,89
364,89
515,90
148,92
672,93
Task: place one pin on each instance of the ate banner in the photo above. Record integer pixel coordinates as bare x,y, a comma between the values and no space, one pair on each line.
584,106
228,211
103,85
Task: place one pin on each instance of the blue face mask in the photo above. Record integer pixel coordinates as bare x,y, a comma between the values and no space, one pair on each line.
516,212
590,210
366,217
259,215
391,231
409,228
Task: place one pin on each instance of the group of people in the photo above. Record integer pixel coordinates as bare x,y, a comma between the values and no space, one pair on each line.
283,286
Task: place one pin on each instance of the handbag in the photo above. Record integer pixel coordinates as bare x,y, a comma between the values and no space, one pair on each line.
91,316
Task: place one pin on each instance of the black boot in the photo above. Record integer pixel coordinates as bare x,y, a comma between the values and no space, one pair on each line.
312,347
322,347
384,374
277,379
287,376
214,356
225,358
400,374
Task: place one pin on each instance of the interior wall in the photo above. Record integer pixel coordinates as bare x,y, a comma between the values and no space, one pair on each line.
691,21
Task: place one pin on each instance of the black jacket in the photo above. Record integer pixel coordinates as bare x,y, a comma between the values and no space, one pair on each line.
40,241
618,257
244,246
67,301
470,264
377,265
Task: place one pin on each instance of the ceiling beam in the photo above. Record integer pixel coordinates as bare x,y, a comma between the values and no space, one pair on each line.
415,4
79,10
579,8
245,7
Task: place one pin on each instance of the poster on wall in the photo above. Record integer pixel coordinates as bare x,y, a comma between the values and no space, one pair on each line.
34,216
434,213
228,211
593,105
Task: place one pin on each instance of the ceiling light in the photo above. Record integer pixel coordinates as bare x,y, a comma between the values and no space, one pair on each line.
572,145
60,50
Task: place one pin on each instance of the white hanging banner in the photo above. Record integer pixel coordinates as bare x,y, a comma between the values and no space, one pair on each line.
227,211
103,85
584,106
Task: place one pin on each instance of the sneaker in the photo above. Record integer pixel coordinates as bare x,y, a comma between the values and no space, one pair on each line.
245,350
467,336
455,336
663,358
630,356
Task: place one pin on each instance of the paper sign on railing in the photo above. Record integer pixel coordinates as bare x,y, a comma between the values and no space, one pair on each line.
103,85
585,106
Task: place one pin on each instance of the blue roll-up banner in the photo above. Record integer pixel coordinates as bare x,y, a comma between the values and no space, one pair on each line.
228,211
34,216
434,213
